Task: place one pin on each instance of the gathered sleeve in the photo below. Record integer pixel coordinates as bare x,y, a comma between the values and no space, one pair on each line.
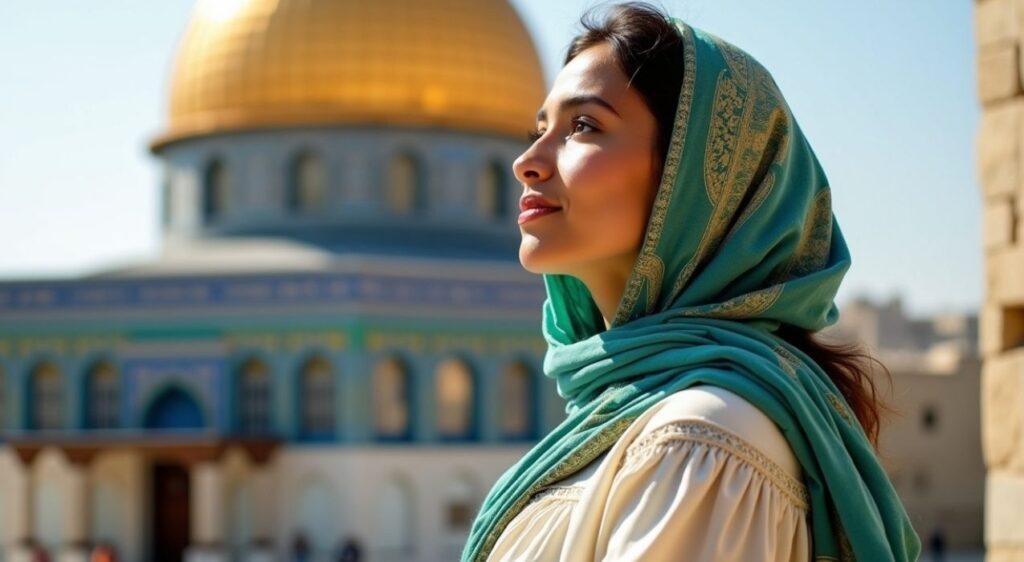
685,482
692,491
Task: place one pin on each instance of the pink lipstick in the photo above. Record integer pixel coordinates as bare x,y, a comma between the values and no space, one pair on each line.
535,206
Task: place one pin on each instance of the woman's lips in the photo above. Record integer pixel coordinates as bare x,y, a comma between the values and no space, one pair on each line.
536,212
534,206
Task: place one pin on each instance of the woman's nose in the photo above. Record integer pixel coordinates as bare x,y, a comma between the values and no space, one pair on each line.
533,166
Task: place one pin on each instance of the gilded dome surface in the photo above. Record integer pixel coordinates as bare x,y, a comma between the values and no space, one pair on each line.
468,65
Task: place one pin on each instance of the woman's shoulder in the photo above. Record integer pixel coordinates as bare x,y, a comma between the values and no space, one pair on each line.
719,417
703,414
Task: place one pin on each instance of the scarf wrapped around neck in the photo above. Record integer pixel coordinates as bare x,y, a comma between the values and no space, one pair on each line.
741,238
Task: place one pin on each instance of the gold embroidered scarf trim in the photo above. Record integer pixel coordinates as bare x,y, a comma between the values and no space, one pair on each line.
581,457
649,267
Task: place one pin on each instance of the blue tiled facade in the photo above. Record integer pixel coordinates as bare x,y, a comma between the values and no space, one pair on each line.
439,282
155,347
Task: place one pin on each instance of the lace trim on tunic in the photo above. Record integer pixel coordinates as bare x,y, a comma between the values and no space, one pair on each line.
557,493
700,431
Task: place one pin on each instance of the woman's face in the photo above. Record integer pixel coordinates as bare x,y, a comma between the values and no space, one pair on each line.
594,158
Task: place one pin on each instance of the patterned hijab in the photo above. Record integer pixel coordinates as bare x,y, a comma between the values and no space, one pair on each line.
741,238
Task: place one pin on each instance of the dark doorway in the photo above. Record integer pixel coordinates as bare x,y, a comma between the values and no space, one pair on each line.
171,522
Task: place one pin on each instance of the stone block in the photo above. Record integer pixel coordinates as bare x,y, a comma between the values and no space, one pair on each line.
1018,235
998,72
1009,329
999,223
990,329
999,149
995,21
1005,554
1004,509
1001,409
1004,279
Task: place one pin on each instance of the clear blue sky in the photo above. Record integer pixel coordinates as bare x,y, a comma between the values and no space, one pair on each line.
885,91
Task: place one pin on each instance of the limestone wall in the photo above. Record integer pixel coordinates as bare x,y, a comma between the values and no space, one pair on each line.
999,29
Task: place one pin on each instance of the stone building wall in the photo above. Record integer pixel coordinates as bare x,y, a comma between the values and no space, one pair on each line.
999,28
935,394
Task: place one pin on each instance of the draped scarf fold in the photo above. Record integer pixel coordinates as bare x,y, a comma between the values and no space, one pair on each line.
741,239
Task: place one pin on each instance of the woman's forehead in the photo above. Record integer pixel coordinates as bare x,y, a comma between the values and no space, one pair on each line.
594,72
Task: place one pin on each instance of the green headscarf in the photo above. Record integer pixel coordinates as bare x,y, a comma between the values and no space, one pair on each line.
741,238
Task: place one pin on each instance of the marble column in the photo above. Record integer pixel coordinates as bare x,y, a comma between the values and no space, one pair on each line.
207,499
76,514
263,502
20,515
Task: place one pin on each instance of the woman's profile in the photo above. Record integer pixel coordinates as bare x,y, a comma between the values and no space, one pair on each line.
685,234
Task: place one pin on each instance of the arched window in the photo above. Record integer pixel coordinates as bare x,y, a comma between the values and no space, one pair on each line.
492,191
460,504
317,403
216,191
518,416
47,395
174,408
453,399
307,184
930,418
102,409
254,397
394,522
405,184
391,399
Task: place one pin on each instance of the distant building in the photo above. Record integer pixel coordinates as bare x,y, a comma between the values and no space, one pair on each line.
338,341
932,446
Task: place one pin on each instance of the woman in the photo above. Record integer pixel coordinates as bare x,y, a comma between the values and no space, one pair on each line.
684,230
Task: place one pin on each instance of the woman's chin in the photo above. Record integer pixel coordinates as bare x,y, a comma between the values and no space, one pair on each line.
530,264
533,259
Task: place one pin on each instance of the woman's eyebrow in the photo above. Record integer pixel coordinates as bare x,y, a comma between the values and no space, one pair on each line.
574,101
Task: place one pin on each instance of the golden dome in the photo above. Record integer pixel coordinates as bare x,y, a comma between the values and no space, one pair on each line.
252,64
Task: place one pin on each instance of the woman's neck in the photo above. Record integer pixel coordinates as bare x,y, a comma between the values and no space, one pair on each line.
607,282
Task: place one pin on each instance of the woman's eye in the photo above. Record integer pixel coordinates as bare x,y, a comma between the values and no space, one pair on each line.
581,126
577,126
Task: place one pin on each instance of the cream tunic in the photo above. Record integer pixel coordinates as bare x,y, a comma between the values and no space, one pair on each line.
702,476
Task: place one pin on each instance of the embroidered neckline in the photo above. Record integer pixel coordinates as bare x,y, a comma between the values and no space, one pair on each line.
557,493
700,431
